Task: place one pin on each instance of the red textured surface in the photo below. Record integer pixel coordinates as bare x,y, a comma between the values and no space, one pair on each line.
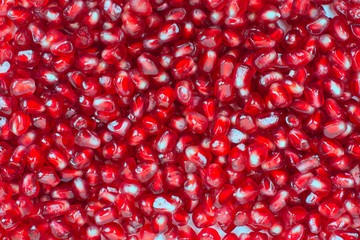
180,119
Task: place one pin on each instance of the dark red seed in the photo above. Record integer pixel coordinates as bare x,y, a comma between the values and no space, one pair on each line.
124,119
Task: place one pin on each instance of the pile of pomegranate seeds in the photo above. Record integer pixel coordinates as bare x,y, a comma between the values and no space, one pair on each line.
180,119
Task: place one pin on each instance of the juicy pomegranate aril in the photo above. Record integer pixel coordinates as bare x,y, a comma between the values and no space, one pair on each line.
137,119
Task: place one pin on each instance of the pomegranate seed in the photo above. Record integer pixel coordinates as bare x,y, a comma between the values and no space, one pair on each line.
242,75
330,148
19,123
29,186
296,232
55,208
214,175
198,155
329,208
113,230
279,96
334,128
208,233
22,87
262,218
183,67
124,119
247,192
165,96
297,58
299,140
141,8
264,59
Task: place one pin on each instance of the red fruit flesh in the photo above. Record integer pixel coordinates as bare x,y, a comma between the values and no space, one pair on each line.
180,119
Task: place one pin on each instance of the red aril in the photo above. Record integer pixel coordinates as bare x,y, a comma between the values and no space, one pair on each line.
124,119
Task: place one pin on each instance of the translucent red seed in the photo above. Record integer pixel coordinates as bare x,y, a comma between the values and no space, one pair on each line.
140,119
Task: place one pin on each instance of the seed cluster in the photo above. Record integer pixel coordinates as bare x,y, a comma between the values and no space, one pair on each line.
138,119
